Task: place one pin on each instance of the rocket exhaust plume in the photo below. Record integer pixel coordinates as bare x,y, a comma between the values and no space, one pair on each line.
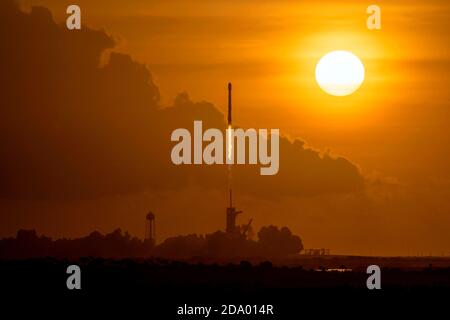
230,144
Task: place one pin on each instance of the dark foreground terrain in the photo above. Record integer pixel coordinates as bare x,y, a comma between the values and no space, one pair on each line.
166,285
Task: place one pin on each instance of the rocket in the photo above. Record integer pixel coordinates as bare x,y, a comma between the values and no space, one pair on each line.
229,104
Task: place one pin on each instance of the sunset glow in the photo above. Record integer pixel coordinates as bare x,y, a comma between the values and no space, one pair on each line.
369,124
339,73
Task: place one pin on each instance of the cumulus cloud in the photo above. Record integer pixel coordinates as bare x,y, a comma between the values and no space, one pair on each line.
72,128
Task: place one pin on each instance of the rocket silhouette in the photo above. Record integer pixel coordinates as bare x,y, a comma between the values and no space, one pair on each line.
229,104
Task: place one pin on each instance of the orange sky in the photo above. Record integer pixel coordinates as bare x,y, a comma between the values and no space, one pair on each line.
270,55
395,127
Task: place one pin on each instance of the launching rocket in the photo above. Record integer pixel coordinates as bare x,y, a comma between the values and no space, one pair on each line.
229,104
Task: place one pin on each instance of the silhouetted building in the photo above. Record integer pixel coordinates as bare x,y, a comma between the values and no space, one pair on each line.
231,217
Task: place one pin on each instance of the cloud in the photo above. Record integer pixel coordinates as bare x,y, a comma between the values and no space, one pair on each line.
72,128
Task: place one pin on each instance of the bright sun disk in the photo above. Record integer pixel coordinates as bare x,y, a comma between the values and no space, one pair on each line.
339,73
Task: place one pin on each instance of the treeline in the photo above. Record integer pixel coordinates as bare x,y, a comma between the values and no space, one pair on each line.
272,242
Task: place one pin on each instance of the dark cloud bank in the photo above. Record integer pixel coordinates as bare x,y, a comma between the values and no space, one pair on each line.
72,127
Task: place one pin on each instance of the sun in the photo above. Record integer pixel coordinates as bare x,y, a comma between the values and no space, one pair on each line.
339,73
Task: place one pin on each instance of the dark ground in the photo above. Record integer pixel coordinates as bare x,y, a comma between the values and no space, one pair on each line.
159,287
